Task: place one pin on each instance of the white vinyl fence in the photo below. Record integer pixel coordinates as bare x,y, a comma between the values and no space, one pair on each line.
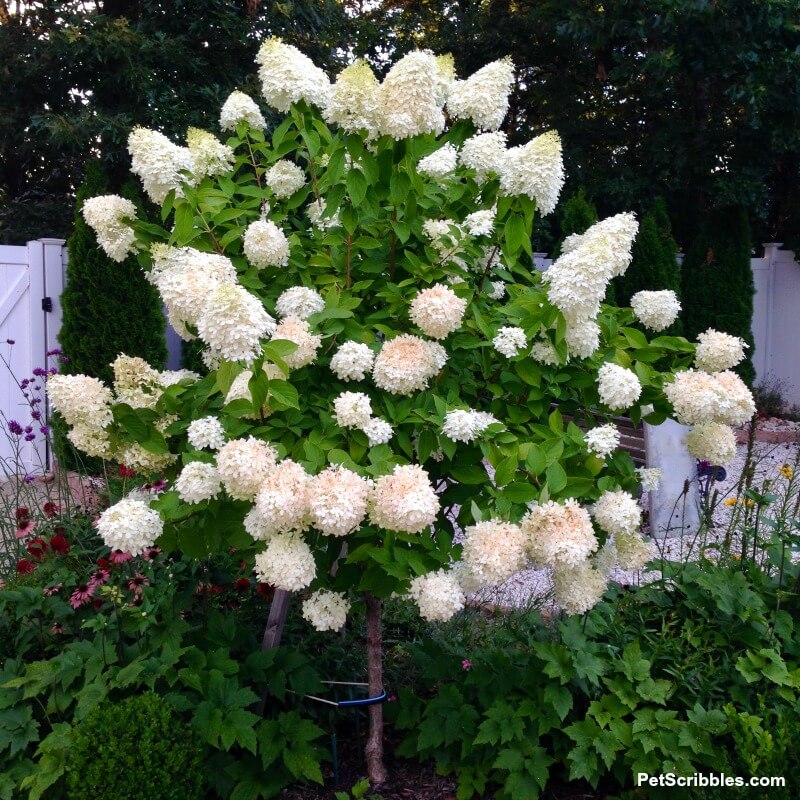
31,281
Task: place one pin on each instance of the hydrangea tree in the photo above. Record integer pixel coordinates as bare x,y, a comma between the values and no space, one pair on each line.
389,376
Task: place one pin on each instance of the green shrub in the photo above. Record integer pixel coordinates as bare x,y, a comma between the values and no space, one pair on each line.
653,267
134,750
578,216
717,281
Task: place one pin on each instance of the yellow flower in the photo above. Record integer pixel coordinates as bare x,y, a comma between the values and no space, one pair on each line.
787,472
729,501
749,503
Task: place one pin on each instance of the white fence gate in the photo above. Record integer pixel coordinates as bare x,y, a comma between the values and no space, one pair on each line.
31,282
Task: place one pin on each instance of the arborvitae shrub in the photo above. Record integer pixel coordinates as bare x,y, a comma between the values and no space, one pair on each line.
108,307
138,749
578,216
717,281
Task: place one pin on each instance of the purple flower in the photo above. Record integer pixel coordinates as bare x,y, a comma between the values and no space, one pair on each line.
29,478
39,372
56,351
15,427
10,341
45,429
29,437
36,414
24,382
36,401
53,370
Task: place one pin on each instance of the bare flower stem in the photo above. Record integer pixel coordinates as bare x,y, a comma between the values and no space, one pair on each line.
376,770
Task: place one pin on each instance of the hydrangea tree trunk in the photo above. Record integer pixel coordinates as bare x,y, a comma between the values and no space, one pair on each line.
376,770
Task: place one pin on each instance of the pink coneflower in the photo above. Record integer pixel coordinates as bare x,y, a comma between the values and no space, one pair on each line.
25,530
56,629
119,557
158,486
49,591
82,595
137,583
466,664
99,577
151,553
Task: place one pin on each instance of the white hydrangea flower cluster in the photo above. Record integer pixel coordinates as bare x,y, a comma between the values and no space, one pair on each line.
618,513
300,302
352,361
578,279
498,290
410,96
316,215
282,502
338,501
510,341
438,595
494,550
543,351
287,76
650,478
602,440
197,482
656,310
699,397
287,563
535,169
136,382
355,102
466,425
378,431
580,588
713,442
106,215
240,107
619,388
265,244
485,153
633,552
325,610
483,97
169,377
717,352
438,311
404,500
158,163
559,535
85,404
480,223
243,465
352,409
209,156
285,178
440,163
294,329
206,433
234,322
130,526
406,363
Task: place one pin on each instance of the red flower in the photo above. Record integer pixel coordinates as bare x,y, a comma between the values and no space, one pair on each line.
96,603
25,567
265,590
242,584
51,509
59,544
37,547
103,563
22,516
126,472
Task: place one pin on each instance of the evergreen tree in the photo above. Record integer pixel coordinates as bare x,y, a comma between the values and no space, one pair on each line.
717,281
654,266
108,307
578,215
